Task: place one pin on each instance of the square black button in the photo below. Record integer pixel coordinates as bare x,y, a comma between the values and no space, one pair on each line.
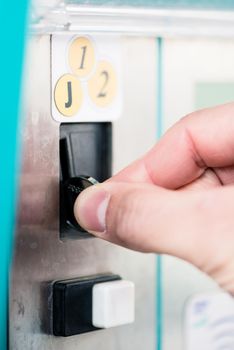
72,304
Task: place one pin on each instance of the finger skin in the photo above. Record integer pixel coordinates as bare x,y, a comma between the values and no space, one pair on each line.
173,200
195,226
201,140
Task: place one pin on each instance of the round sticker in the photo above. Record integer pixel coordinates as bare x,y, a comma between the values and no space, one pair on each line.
103,84
81,56
68,95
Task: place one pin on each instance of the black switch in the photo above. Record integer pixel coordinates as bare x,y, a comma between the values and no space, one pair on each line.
72,304
86,149
85,153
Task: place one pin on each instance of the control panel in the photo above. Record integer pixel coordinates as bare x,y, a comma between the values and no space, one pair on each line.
85,159
68,289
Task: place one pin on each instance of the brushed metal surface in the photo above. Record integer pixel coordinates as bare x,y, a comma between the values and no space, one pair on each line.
39,255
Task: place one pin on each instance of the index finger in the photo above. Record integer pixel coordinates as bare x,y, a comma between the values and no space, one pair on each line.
199,141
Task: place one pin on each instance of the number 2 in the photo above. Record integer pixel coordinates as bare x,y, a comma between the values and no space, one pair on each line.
103,91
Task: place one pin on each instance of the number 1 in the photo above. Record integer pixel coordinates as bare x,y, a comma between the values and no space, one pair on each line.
83,48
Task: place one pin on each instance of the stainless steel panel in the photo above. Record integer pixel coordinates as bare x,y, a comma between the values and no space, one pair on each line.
40,256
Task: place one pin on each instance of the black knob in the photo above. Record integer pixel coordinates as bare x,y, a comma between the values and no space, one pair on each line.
70,190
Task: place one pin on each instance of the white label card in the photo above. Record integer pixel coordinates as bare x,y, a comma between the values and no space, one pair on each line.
209,322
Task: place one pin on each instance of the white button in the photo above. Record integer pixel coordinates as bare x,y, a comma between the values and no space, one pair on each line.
113,303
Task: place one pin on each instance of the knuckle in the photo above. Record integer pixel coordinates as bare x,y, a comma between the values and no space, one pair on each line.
223,273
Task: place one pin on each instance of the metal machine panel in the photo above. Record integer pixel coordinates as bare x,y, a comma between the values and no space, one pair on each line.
40,256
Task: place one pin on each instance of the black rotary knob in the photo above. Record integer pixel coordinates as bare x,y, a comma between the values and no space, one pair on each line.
70,190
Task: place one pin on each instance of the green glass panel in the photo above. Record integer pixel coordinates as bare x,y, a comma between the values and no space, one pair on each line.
212,94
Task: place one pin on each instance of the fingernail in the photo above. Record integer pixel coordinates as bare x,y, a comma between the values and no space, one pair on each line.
90,208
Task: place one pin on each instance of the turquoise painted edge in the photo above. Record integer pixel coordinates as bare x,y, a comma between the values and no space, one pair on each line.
159,121
180,4
13,17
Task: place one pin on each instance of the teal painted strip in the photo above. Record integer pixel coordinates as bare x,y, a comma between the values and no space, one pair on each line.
12,29
180,4
159,121
160,88
159,301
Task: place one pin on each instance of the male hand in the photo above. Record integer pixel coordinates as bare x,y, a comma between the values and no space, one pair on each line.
178,199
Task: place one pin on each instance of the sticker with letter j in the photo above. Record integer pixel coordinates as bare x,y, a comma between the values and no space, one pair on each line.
68,95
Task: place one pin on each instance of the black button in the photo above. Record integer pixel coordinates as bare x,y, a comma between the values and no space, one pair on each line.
72,304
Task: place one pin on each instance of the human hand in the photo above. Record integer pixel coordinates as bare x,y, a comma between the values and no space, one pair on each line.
178,199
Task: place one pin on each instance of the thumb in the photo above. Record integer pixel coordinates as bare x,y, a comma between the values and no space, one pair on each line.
197,227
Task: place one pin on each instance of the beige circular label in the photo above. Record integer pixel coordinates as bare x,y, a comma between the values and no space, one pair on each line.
81,56
68,95
103,84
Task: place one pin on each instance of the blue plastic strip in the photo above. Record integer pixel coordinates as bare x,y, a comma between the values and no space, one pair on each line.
159,121
12,33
